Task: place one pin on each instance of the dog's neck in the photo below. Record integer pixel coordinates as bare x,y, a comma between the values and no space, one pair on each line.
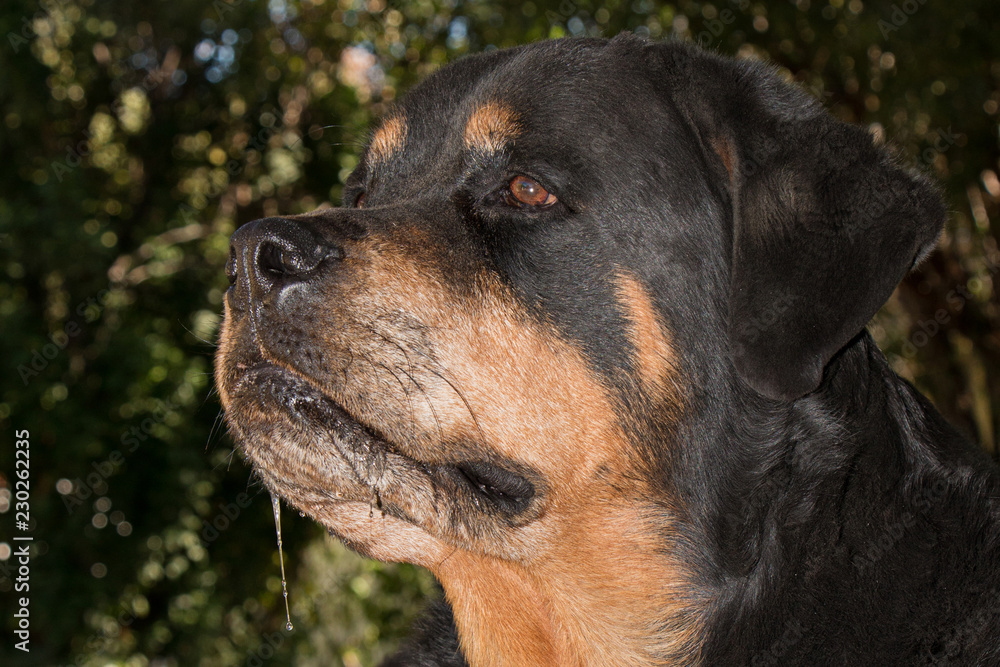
789,462
608,597
802,472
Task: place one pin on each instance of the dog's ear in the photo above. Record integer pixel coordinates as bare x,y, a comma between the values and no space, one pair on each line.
825,223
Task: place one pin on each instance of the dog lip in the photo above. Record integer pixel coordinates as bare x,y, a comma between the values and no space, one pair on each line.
323,428
303,400
506,489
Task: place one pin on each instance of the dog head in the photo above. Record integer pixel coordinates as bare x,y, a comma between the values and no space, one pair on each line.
489,360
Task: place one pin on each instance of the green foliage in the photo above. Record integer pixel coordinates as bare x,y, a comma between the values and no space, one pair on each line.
137,136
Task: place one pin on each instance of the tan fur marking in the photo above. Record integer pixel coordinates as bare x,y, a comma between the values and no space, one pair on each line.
501,620
490,127
724,150
388,139
655,361
603,595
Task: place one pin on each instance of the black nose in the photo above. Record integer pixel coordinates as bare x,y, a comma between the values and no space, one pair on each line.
267,254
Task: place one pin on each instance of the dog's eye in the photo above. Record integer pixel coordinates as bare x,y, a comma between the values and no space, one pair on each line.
527,192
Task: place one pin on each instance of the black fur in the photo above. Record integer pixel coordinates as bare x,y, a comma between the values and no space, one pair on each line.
434,642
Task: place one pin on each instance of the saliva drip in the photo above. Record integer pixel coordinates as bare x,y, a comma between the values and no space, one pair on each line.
276,504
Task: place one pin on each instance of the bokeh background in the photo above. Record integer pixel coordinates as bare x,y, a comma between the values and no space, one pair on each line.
136,136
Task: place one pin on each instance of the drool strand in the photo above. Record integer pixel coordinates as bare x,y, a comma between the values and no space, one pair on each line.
276,504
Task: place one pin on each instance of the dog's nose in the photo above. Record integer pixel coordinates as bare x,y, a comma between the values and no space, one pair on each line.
273,252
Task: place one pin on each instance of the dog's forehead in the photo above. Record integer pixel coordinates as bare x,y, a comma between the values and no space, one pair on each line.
488,102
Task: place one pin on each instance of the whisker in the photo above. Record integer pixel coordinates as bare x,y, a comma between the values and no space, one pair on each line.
210,343
232,457
219,419
472,413
410,376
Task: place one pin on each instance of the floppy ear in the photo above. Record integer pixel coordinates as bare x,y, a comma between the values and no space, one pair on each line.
825,223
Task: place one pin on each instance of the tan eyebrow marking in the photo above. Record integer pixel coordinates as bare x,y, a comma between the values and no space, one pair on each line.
388,139
490,127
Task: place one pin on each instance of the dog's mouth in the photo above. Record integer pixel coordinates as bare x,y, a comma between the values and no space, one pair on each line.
310,450
280,395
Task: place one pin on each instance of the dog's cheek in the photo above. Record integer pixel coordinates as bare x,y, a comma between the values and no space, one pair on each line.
452,364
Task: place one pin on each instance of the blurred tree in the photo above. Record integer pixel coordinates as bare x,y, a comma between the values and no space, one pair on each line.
136,138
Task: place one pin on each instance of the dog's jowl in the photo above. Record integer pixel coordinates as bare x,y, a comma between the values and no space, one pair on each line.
587,341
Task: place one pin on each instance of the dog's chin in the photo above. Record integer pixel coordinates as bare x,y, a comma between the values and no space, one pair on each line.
310,451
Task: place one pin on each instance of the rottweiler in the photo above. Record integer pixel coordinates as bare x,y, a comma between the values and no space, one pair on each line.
587,340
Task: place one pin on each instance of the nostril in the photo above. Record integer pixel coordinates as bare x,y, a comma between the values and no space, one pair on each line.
269,254
269,259
276,260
